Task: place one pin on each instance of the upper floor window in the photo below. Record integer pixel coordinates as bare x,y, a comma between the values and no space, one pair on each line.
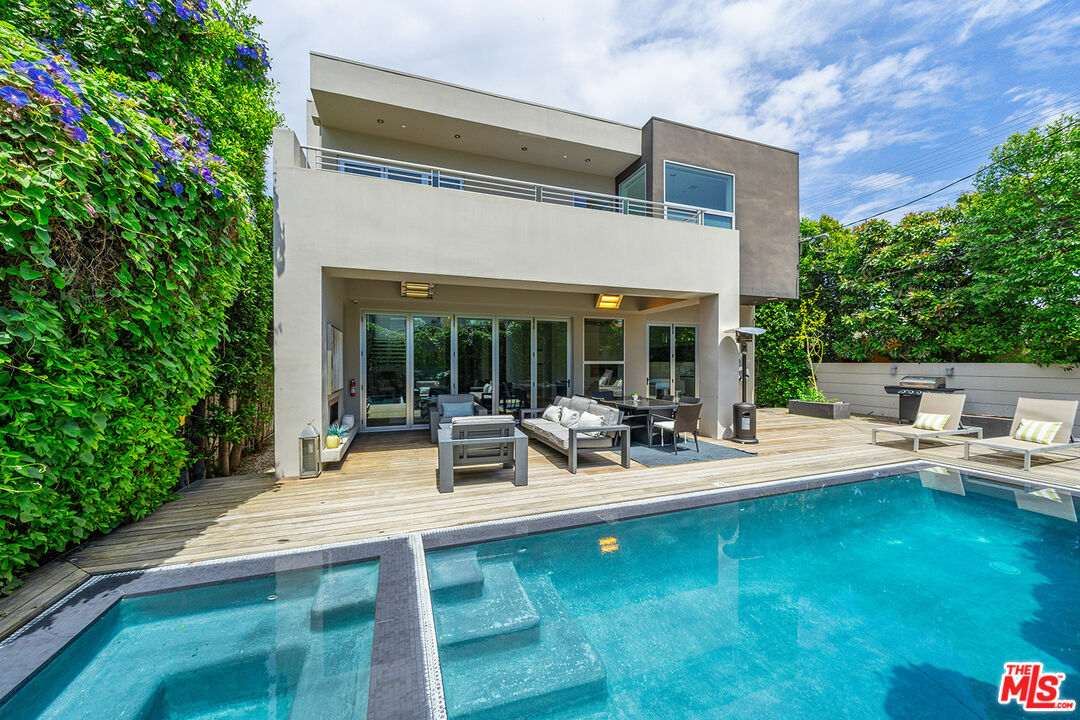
709,189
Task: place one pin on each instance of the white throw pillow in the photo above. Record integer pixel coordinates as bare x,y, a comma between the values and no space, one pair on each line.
588,420
553,413
569,417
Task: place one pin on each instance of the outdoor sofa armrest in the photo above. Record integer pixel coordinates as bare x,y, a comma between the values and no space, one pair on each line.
602,428
530,412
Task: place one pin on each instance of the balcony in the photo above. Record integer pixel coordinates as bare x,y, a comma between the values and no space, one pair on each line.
368,166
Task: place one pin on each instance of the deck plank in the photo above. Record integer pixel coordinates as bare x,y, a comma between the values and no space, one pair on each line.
386,485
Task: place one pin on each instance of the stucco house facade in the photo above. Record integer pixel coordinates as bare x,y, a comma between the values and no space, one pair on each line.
431,238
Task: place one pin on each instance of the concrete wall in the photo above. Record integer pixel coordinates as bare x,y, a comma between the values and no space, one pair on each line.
766,199
991,388
330,227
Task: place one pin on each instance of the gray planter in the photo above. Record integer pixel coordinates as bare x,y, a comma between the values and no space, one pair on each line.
827,410
992,425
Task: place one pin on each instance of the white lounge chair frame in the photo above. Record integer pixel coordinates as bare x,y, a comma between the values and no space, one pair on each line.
937,404
1063,411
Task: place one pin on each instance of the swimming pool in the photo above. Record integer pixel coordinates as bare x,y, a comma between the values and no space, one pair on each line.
893,592
294,644
898,597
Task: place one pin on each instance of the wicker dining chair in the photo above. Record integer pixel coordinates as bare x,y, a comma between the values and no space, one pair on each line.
685,421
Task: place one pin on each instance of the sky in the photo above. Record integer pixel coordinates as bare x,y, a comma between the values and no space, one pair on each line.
884,101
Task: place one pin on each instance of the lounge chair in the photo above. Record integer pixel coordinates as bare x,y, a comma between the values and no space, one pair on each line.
461,404
1063,411
934,404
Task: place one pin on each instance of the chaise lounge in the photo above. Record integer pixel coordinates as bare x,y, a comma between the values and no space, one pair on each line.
935,404
1038,427
577,424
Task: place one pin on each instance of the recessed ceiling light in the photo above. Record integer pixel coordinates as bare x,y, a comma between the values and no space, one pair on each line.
563,157
523,148
380,121
588,159
457,136
402,124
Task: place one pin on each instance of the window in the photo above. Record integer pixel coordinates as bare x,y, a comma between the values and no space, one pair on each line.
709,189
603,350
633,188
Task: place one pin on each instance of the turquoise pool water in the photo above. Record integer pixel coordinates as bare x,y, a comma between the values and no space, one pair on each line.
294,645
891,598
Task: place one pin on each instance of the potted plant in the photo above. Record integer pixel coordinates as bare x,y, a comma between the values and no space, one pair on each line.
811,401
334,435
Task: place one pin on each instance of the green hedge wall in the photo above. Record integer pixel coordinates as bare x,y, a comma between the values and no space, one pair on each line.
123,234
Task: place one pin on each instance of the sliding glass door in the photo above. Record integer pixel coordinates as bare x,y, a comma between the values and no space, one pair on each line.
552,361
505,363
672,354
386,381
474,359
430,362
515,365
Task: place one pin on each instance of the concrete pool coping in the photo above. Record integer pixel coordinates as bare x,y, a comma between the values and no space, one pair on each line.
406,678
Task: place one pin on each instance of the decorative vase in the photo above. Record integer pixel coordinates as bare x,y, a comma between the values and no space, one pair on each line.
332,441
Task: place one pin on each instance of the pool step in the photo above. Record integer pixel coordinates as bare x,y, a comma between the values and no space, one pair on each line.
454,575
345,596
502,610
558,669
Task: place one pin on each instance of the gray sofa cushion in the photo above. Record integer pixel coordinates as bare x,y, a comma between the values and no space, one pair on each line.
580,403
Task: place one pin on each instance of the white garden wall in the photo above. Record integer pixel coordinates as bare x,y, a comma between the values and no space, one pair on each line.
991,388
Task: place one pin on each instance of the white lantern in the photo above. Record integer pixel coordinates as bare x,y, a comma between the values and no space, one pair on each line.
310,452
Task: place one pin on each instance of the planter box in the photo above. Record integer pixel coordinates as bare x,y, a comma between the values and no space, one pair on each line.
992,425
830,411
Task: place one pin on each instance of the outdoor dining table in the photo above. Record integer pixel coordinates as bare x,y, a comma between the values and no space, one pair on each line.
636,415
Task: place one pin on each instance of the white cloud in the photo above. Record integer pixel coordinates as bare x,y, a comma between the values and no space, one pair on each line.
836,80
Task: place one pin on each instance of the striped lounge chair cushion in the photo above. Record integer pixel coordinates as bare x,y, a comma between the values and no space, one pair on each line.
1037,431
930,421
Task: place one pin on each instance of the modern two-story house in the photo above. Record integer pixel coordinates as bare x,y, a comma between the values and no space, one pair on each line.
431,238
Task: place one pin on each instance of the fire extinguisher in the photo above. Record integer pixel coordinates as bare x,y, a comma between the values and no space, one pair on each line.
352,388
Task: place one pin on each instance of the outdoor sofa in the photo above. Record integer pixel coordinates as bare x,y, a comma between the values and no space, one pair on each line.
572,439
951,405
1054,411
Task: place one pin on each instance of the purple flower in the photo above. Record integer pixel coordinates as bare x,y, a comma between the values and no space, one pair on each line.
14,96
22,66
154,8
150,17
132,3
153,76
71,114
78,133
84,7
217,193
38,75
117,93
178,189
48,90
117,128
183,11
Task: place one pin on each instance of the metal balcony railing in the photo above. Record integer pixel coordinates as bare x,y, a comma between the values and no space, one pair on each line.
345,162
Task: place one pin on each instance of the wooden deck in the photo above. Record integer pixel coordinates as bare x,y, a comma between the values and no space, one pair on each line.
386,486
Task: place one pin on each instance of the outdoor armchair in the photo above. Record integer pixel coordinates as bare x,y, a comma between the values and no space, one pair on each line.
437,413
685,420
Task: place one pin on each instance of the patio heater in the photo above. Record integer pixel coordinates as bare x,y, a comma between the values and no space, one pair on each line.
310,452
745,413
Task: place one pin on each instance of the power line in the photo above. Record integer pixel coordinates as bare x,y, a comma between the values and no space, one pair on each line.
959,147
1050,133
912,202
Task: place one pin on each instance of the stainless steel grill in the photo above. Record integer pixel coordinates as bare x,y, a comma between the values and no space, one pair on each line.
911,389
